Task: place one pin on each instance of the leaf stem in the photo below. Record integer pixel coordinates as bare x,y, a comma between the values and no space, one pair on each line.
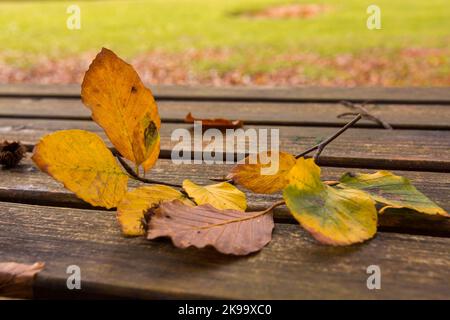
135,176
319,147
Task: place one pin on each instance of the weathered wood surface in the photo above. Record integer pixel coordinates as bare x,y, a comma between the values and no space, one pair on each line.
26,184
292,266
40,220
311,94
358,147
262,113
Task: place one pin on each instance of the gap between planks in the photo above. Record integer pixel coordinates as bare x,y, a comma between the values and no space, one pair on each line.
26,184
292,266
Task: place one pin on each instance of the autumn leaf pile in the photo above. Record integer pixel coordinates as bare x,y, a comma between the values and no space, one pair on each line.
215,215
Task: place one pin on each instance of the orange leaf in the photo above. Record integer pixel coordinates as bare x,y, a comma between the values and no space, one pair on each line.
218,123
252,176
123,107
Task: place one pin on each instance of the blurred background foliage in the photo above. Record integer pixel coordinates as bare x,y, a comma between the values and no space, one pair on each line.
232,42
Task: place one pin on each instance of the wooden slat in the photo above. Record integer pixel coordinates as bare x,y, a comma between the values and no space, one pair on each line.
311,94
358,147
26,184
293,114
293,266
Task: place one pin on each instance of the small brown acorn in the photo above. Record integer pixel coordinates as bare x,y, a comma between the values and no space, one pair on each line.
11,153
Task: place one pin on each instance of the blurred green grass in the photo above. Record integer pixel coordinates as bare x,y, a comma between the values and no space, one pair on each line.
32,28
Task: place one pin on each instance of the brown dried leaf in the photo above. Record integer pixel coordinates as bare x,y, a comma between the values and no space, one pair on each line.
16,279
218,123
11,153
228,231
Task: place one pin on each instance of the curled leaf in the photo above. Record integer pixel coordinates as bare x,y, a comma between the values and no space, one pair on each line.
267,175
218,123
221,195
130,211
82,162
228,231
123,107
16,279
392,190
336,216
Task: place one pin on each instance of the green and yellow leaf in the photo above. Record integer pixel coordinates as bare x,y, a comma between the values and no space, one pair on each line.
393,191
221,195
336,216
82,162
130,211
259,177
123,107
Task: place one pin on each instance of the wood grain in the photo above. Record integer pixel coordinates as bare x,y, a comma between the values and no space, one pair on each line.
279,94
358,147
292,114
292,266
26,184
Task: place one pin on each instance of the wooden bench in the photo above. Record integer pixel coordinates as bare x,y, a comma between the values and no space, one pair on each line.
42,221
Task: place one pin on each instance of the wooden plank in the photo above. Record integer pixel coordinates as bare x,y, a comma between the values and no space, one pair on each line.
292,266
293,114
358,147
26,184
308,94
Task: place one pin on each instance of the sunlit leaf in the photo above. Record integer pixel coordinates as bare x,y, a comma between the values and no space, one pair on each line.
332,215
229,231
123,107
392,190
263,176
130,211
221,195
82,162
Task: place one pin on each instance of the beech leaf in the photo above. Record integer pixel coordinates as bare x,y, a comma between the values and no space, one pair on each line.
130,212
221,195
336,216
16,279
393,191
228,231
123,107
251,177
217,123
82,162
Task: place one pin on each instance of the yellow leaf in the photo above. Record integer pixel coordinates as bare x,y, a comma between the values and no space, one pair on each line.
392,190
130,211
332,215
252,176
82,162
123,107
221,195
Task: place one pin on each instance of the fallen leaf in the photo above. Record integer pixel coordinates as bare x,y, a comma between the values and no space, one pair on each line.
221,195
218,123
228,231
392,190
82,162
16,279
336,216
123,107
130,211
250,175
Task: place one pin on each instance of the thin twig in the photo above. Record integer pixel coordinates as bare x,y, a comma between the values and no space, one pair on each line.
319,147
135,176
365,114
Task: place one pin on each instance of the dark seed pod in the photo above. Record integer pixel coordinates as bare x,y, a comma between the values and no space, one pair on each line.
11,153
